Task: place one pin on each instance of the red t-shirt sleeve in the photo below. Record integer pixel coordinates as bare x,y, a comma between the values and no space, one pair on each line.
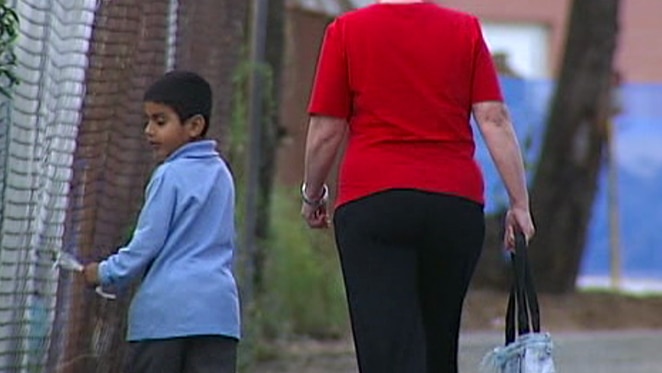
485,85
331,94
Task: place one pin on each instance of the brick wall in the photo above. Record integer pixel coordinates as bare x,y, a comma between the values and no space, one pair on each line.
639,53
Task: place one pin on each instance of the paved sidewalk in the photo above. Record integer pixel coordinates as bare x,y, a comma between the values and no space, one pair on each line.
585,352
581,352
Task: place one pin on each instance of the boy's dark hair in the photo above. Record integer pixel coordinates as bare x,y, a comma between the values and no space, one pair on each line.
187,93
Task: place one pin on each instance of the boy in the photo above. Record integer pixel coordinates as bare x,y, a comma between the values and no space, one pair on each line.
185,314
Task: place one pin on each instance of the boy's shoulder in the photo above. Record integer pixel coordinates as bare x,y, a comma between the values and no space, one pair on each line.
191,170
162,170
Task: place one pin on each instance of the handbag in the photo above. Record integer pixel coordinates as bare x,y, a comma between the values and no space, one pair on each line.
526,350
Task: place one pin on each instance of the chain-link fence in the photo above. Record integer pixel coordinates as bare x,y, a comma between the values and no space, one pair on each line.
74,163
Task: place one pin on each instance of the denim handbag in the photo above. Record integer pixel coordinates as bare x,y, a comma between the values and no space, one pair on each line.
527,350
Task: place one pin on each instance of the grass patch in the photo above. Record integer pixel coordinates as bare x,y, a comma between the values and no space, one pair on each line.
304,292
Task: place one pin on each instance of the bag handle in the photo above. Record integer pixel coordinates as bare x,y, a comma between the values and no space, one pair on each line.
523,299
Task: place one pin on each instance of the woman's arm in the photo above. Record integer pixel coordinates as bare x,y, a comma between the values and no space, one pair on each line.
325,135
496,128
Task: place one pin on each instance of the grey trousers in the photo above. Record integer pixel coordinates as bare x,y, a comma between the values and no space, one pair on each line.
196,354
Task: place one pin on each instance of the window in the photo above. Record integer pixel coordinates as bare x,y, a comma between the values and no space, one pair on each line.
519,49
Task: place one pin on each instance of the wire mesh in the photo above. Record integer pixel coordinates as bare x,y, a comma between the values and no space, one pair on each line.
210,40
128,51
44,114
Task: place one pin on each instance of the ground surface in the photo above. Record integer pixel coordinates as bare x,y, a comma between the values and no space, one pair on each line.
593,332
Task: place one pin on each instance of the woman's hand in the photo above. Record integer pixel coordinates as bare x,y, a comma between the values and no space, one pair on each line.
518,219
314,210
315,216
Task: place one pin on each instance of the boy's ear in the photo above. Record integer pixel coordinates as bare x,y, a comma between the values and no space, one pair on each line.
196,125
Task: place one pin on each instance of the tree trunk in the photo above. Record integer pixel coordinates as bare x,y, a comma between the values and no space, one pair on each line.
566,178
271,134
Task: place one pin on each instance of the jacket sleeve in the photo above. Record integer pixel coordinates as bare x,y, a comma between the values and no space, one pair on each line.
149,236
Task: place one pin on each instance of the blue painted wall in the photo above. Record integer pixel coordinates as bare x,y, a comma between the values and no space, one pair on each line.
639,162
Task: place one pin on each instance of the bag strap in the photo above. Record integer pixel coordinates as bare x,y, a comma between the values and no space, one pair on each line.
531,293
523,299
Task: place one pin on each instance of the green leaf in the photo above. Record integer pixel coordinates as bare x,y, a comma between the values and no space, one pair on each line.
9,31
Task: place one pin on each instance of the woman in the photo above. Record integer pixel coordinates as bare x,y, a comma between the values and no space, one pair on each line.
399,80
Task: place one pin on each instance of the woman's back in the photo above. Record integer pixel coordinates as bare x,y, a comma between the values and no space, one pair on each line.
406,75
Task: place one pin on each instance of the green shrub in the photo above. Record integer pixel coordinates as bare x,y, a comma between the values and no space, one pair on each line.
303,292
8,33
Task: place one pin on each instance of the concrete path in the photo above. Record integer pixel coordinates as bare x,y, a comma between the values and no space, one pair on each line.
585,352
596,352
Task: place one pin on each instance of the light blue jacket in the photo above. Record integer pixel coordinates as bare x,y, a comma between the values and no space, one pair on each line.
184,246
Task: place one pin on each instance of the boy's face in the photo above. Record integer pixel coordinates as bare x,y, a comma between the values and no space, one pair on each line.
165,131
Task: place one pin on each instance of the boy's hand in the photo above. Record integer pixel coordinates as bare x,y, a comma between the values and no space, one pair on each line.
91,274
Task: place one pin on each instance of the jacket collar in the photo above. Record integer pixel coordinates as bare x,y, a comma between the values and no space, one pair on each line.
195,149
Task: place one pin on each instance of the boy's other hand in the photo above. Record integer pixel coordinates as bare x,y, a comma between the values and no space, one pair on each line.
91,274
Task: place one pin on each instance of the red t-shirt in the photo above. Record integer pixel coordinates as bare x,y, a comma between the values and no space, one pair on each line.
405,76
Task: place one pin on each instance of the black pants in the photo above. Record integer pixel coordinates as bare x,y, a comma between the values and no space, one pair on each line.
197,354
407,258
